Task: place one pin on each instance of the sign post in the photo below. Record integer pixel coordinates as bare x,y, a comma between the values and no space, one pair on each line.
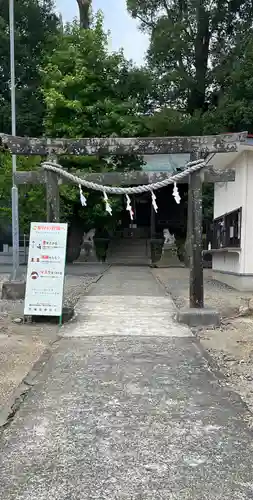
46,269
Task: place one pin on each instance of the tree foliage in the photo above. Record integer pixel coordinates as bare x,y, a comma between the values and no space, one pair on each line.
234,109
32,203
90,92
36,26
192,45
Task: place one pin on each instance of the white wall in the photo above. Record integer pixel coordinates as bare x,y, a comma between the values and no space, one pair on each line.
229,196
247,261
226,262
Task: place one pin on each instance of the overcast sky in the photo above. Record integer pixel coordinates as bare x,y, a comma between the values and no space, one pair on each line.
123,28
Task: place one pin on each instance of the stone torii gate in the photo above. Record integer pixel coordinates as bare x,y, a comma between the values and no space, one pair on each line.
198,147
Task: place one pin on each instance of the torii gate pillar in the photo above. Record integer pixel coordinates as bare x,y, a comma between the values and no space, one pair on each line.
196,289
53,194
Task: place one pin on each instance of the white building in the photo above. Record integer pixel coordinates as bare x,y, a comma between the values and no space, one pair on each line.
232,245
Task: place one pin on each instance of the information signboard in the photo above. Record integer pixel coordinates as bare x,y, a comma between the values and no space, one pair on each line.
45,269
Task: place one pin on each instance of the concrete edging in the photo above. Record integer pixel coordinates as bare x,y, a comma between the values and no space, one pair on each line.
9,409
13,290
194,317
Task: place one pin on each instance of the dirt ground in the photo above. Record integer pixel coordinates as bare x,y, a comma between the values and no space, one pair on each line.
230,345
21,345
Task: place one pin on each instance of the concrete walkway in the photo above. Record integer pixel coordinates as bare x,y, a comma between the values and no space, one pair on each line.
127,301
138,416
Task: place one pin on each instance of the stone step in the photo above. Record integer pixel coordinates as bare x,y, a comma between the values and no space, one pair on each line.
127,263
128,256
129,249
137,330
125,315
125,253
124,301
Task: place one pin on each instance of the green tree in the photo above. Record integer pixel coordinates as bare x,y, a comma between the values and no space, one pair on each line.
36,26
192,45
31,206
90,92
234,109
171,122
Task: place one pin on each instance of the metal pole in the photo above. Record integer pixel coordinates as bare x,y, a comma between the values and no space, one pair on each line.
24,248
14,191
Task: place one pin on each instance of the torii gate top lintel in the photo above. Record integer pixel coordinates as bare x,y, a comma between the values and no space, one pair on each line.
224,143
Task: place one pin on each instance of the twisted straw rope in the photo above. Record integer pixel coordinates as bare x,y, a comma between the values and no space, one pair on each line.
190,168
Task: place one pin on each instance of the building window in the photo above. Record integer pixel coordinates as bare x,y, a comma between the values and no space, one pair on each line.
227,230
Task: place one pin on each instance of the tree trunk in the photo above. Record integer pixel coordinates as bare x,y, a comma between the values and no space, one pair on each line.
196,99
84,12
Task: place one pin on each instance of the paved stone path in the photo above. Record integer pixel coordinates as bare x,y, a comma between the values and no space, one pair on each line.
127,417
127,301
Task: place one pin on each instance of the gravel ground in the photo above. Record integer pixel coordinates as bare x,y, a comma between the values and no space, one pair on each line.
230,345
217,295
73,290
21,345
